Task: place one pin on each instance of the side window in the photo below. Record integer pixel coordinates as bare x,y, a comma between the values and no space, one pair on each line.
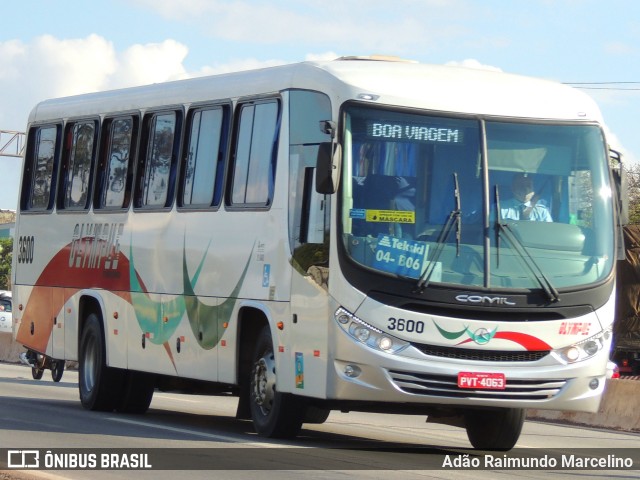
39,183
203,162
80,139
308,210
116,162
156,173
255,154
306,110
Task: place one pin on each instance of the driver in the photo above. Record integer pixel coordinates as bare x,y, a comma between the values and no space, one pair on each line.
524,205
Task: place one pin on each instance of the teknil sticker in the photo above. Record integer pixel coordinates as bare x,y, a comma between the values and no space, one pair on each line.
407,258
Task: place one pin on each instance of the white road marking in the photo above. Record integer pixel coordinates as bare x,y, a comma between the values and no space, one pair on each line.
212,436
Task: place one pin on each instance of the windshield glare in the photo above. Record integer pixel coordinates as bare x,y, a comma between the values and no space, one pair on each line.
421,201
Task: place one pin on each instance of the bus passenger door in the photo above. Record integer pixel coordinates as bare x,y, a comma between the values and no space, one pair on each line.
309,293
309,115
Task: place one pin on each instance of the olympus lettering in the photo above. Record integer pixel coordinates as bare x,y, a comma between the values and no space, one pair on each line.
484,299
96,245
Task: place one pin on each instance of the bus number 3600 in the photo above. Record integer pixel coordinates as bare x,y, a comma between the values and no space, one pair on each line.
25,249
402,325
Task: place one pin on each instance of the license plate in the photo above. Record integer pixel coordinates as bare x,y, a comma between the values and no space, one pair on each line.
482,381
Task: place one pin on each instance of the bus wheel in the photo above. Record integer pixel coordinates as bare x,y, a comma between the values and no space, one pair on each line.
274,414
57,369
99,385
494,429
137,392
316,415
37,373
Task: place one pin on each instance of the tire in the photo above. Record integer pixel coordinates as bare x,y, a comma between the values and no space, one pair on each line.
316,415
274,414
57,369
38,361
37,373
100,386
137,392
494,429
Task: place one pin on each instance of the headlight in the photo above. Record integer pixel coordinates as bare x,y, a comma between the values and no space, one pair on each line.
584,349
368,334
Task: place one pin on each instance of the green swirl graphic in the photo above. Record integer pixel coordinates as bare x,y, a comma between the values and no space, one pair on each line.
480,336
450,335
160,318
207,321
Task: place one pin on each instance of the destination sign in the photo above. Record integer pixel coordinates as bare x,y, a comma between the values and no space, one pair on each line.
414,132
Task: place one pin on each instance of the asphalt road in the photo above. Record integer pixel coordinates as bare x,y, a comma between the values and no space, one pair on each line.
198,436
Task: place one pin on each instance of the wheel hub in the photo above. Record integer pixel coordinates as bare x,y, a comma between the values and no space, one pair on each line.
264,382
90,365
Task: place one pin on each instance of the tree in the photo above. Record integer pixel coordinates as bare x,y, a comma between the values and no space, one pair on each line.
633,181
6,251
6,254
7,216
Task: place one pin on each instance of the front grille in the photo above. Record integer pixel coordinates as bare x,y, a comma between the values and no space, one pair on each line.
481,355
447,386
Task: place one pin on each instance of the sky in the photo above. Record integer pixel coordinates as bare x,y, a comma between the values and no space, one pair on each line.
56,48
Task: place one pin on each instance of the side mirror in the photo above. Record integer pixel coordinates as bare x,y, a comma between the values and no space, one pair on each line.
621,184
621,198
328,168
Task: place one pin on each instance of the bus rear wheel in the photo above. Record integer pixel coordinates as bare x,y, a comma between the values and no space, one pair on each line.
37,362
494,429
274,414
57,369
100,386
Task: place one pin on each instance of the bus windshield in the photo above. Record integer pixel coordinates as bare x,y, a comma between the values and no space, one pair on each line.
479,203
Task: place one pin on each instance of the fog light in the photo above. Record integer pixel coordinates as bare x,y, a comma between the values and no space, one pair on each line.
352,371
593,384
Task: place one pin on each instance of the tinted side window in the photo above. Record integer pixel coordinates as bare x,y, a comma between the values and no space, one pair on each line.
39,184
78,164
157,167
118,154
204,157
255,155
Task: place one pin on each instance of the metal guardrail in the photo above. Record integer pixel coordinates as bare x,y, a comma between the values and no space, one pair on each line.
11,143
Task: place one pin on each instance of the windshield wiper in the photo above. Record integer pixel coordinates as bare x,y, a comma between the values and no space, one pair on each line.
521,250
454,218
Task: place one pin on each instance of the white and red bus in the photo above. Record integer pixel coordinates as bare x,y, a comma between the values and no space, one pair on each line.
324,235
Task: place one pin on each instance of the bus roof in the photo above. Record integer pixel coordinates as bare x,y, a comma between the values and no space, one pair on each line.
400,83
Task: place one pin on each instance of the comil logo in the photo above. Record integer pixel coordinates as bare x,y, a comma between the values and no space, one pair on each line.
484,299
23,459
